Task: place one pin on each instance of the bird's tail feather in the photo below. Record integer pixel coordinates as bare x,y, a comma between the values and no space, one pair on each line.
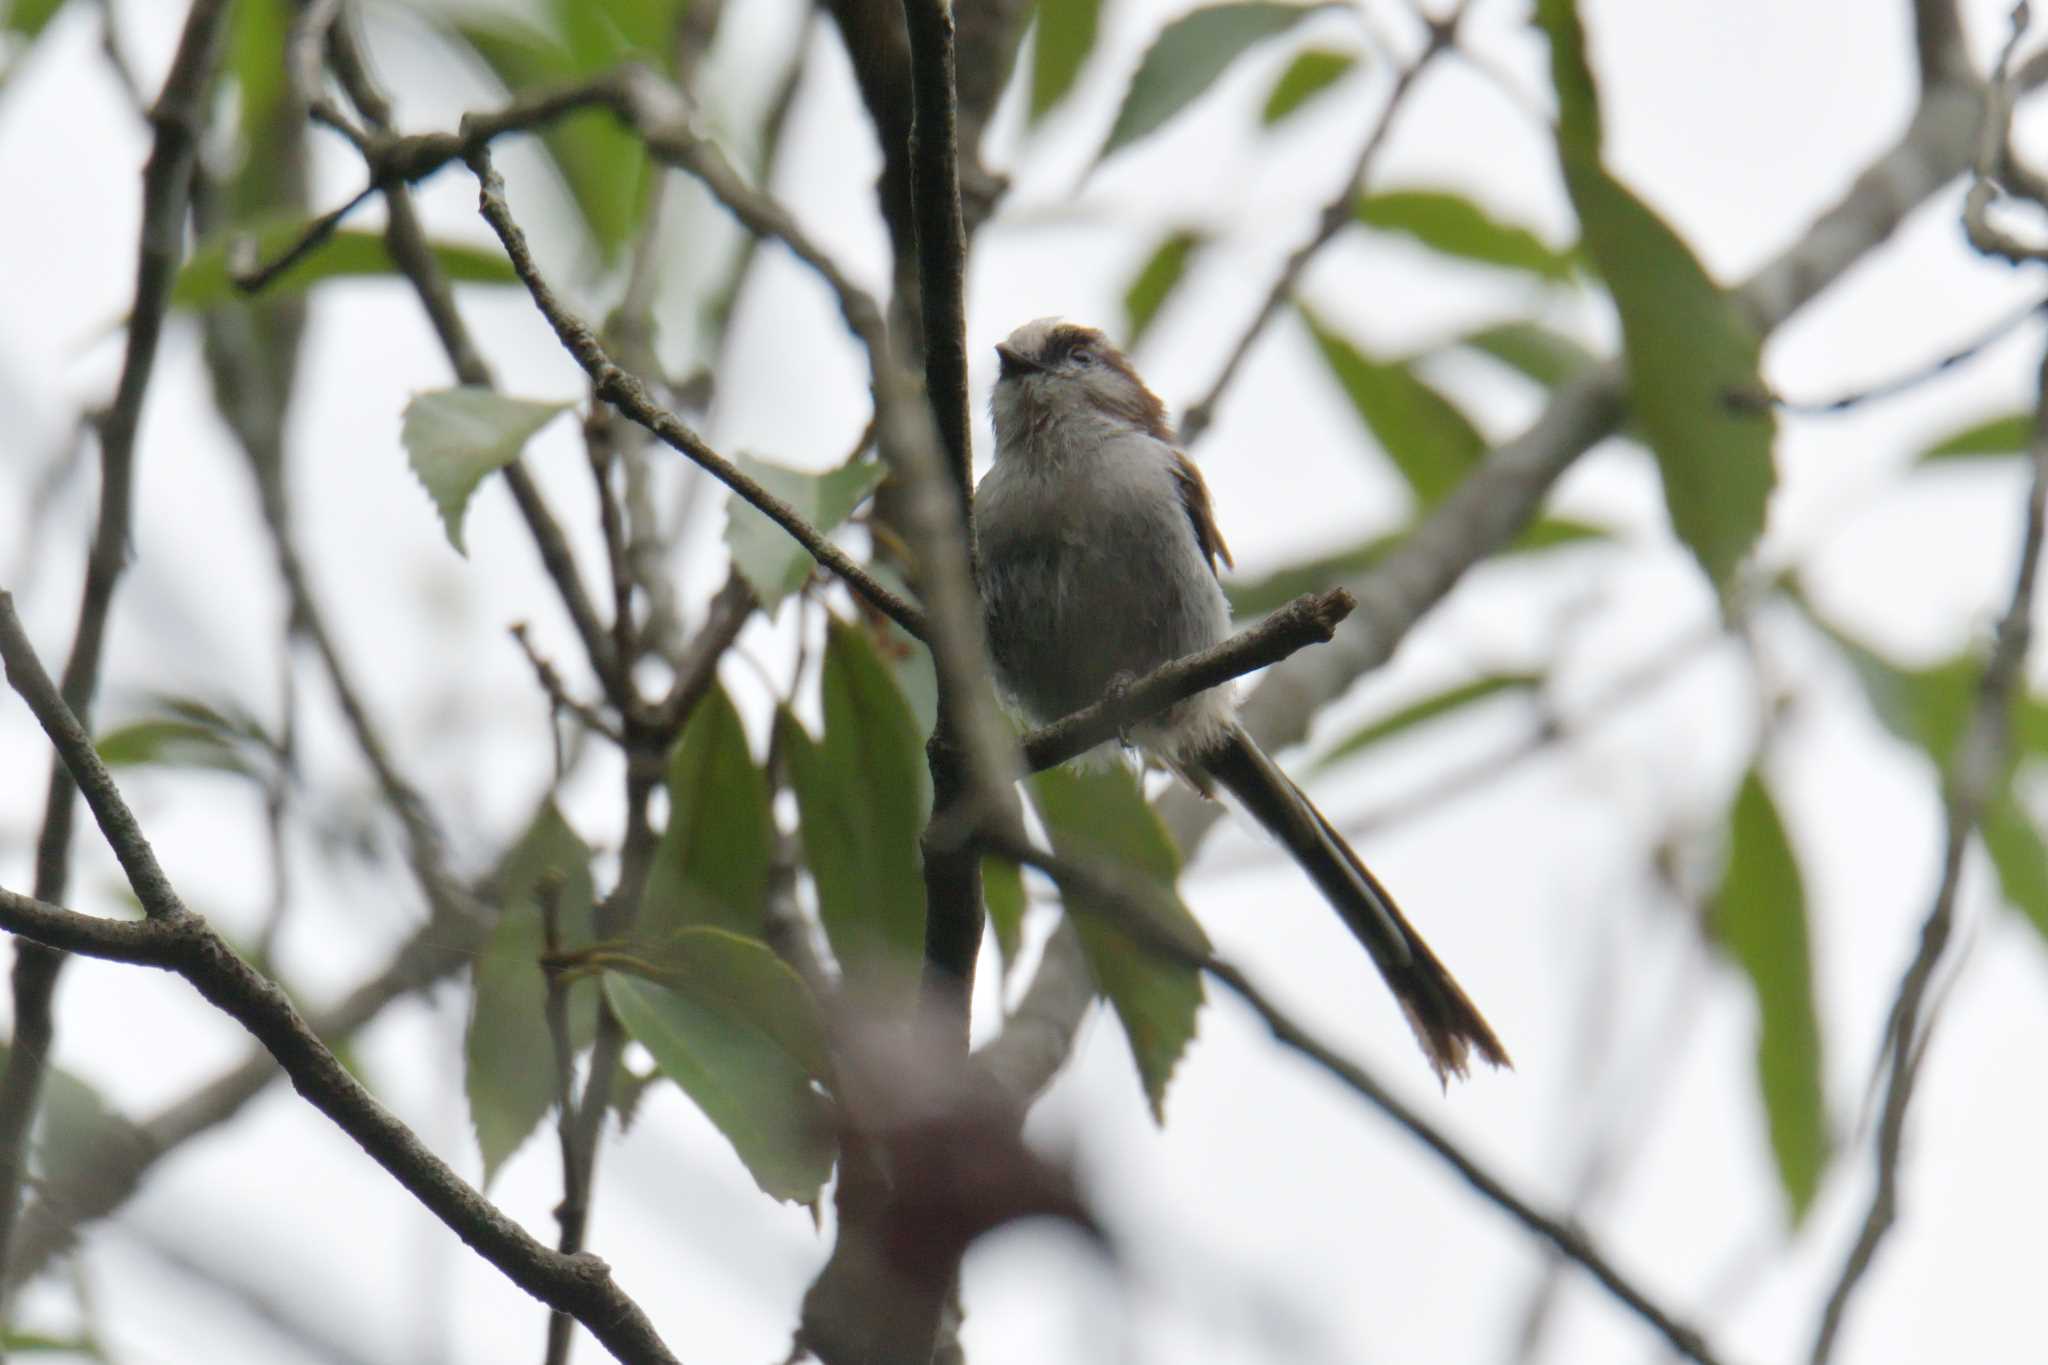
1446,1023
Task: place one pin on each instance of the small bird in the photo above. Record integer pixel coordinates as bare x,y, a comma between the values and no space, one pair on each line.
1097,547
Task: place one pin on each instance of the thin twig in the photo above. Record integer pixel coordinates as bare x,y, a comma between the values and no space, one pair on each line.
173,937
629,395
178,120
1310,619
1911,379
1975,772
1335,214
407,240
1133,905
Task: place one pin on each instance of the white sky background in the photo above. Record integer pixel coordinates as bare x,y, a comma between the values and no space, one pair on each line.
1274,1219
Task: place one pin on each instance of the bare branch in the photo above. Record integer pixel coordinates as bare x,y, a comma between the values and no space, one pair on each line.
174,938
1310,619
177,119
626,393
1975,772
1335,214
1133,905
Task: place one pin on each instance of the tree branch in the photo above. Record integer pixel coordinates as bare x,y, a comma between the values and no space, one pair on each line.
1335,214
1135,909
1976,771
177,118
1310,619
174,938
626,393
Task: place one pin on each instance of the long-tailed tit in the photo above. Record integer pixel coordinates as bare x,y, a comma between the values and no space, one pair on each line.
1098,549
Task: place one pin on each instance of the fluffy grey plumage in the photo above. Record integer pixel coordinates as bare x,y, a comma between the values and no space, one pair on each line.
1098,551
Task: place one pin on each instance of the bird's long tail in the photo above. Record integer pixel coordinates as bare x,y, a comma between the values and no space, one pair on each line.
1446,1023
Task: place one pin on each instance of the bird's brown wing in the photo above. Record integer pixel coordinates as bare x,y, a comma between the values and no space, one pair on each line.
1194,496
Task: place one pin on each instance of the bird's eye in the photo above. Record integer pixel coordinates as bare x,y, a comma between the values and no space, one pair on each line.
1082,357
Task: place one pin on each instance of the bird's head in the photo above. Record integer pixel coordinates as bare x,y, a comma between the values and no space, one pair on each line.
1055,373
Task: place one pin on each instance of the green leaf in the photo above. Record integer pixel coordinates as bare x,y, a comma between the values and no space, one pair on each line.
1578,105
773,564
1688,351
1002,888
34,1343
1188,56
1161,274
170,744
72,1120
1310,74
1926,707
1430,441
604,167
2019,857
29,17
350,253
186,732
454,437
1101,813
711,866
863,793
2007,435
1257,596
1759,916
510,1071
1542,354
1689,348
1456,226
1066,35
1429,708
730,1023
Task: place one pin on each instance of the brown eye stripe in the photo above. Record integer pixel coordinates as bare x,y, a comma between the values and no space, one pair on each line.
1064,341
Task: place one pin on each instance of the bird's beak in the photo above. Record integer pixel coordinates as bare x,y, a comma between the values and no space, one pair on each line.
1015,362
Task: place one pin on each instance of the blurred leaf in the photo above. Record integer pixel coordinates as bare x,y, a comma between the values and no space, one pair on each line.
1546,356
186,732
601,32
711,866
863,793
1427,709
1308,75
1456,226
1430,441
1002,887
1101,813
730,1023
1689,348
72,1118
1930,709
510,1068
1066,35
351,252
1578,106
771,561
2007,435
604,167
629,1089
1926,707
1162,273
2018,856
28,17
1759,916
34,1343
170,744
1188,56
1257,596
454,437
